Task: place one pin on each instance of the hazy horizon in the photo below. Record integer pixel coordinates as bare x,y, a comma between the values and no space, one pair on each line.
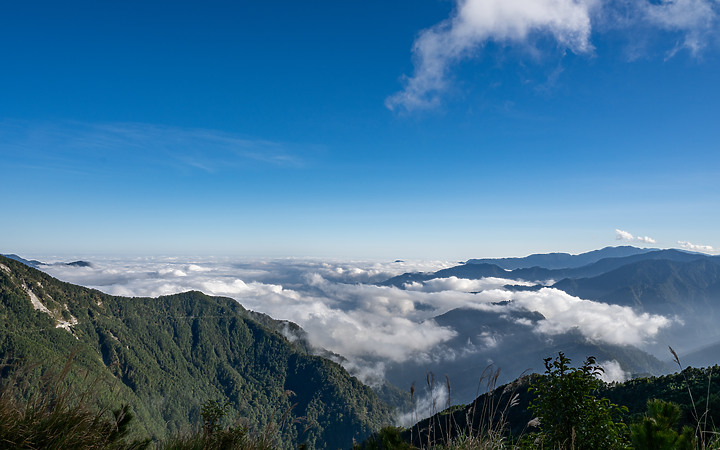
396,333
63,257
341,306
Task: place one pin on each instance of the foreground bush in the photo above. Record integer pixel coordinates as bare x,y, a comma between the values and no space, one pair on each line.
570,415
388,438
55,415
214,436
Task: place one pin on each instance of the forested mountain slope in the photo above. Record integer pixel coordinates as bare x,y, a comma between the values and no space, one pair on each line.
658,286
505,408
166,356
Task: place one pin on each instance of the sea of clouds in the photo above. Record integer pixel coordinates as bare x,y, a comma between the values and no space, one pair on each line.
344,310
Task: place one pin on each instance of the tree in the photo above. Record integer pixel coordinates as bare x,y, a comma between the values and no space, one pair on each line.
570,415
657,429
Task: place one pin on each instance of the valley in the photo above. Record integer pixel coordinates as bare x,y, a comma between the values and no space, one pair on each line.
326,331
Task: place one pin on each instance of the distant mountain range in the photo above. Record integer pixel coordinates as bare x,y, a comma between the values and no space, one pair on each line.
562,260
499,342
661,286
540,274
683,286
36,264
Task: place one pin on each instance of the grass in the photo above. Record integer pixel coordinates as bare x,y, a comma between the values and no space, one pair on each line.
705,437
53,414
49,410
487,425
214,436
482,424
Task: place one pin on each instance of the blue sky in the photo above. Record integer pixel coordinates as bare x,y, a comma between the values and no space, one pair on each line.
358,129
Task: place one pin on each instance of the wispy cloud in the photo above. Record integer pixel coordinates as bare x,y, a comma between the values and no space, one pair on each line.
71,144
523,23
696,20
622,235
697,248
429,400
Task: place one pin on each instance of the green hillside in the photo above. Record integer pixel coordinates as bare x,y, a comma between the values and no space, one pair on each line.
503,413
166,356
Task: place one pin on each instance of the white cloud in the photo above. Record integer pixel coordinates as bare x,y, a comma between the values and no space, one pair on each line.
475,22
613,372
696,248
599,322
428,401
694,18
368,324
463,285
172,272
362,322
487,339
622,235
523,23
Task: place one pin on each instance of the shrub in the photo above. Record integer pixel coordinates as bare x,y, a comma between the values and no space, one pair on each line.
387,438
570,415
657,430
56,413
214,436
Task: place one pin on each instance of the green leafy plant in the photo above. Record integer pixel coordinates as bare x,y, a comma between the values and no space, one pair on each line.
570,415
388,438
658,429
212,414
703,435
214,435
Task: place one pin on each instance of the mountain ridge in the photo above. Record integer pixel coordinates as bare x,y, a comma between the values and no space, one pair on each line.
562,260
37,264
166,355
540,274
683,287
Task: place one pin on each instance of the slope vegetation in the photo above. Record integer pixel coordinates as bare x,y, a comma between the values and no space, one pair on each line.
166,356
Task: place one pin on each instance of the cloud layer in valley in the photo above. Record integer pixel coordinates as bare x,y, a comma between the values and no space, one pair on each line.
371,325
